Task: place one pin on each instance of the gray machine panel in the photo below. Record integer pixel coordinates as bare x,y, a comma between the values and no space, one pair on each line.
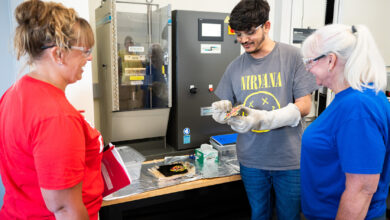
187,127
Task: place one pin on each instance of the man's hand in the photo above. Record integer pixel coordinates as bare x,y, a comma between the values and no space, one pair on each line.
243,124
220,108
266,120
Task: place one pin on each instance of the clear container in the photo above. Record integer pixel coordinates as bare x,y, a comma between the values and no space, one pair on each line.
133,161
224,151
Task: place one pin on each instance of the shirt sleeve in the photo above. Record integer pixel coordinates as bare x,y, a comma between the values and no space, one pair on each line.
304,81
59,152
361,146
225,89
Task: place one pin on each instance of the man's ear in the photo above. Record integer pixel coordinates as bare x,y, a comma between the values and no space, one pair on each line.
267,26
57,55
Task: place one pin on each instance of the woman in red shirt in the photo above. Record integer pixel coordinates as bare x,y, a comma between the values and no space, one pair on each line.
50,157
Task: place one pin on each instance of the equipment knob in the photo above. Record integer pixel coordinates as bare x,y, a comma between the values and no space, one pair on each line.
193,89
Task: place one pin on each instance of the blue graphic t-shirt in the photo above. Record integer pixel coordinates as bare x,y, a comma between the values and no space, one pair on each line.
350,136
268,83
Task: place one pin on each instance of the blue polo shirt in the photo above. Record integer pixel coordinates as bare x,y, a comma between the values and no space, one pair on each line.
350,136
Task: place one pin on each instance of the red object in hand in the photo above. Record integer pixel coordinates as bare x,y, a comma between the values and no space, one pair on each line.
211,89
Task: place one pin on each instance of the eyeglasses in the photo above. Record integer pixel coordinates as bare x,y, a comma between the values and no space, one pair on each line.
249,33
310,62
86,52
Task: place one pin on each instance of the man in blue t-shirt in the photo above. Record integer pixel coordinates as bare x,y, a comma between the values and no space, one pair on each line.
271,82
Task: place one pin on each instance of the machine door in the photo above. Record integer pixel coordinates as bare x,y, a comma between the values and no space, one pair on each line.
142,50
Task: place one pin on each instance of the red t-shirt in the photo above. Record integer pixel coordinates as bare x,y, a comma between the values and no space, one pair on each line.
45,143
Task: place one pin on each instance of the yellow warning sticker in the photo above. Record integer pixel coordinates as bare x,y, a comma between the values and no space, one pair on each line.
134,57
230,30
227,19
136,78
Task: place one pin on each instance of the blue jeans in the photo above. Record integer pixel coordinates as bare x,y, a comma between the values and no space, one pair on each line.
258,184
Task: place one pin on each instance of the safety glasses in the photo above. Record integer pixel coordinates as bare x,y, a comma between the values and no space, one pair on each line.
310,62
86,52
240,34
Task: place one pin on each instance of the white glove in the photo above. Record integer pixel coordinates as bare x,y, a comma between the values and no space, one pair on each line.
243,124
266,120
220,108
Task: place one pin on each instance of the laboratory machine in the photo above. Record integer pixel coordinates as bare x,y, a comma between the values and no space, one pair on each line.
134,69
203,46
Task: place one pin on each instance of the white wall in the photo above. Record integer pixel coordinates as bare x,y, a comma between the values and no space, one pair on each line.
375,14
295,14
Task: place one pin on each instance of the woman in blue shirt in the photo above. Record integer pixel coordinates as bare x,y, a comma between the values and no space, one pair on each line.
345,151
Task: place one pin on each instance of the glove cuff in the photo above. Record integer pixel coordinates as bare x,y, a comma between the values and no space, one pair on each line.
286,116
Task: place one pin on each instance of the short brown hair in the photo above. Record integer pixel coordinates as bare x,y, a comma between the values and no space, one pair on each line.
47,23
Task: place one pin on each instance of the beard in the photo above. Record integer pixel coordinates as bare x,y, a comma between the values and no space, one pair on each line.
258,48
254,51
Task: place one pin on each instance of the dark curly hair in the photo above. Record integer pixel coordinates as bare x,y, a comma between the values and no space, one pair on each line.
249,13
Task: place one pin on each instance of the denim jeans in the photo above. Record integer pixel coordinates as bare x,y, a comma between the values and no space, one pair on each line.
258,184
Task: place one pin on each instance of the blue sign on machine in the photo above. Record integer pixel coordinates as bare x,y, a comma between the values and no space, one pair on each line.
186,139
187,136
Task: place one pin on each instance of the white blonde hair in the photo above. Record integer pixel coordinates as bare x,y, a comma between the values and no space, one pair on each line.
356,46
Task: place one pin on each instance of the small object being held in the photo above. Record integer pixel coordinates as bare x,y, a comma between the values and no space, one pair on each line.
236,111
